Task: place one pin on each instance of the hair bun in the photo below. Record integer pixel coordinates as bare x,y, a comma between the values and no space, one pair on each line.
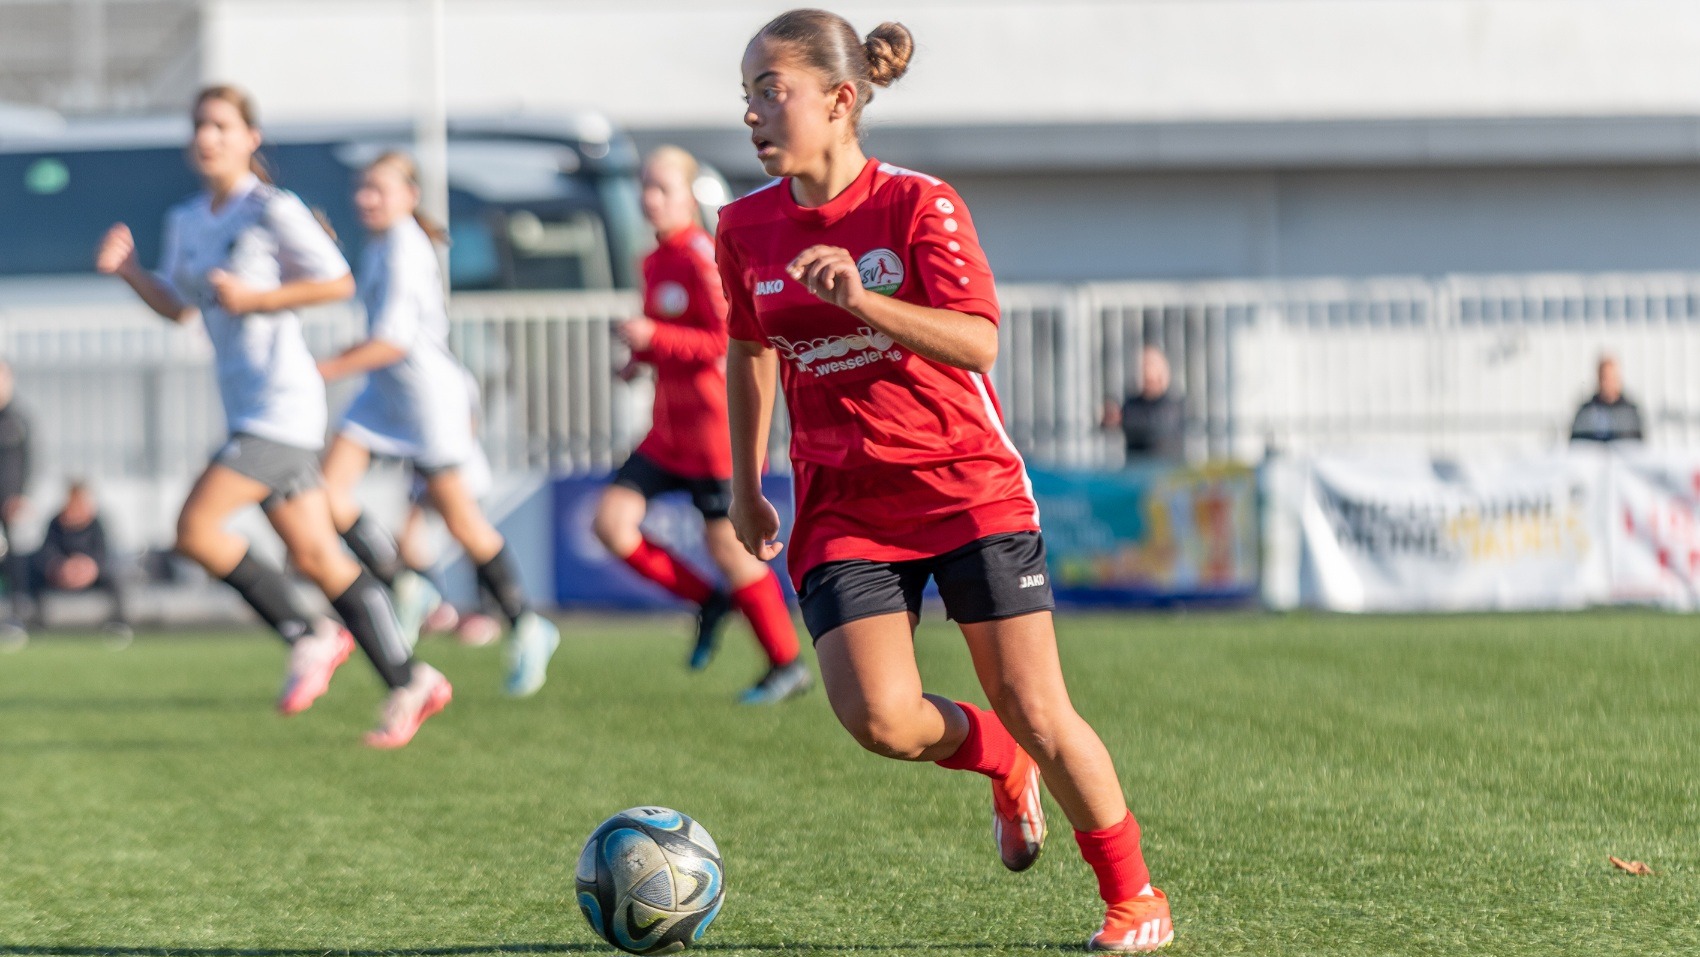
889,47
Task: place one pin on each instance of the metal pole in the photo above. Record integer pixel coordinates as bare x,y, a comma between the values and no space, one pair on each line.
431,128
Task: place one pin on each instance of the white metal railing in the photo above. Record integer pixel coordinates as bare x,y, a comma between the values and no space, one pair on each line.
1447,365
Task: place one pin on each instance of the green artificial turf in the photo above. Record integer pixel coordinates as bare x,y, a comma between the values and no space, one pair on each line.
1306,785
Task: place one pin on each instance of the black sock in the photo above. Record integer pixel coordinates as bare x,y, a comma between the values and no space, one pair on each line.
500,577
375,549
267,592
366,610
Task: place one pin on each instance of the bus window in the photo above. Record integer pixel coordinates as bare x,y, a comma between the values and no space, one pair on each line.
563,251
55,206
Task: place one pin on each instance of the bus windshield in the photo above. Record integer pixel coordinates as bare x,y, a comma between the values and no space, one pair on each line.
523,214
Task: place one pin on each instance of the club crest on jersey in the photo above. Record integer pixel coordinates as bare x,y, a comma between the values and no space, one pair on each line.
881,270
671,299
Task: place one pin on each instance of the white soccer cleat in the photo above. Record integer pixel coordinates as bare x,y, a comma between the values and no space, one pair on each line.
530,646
415,599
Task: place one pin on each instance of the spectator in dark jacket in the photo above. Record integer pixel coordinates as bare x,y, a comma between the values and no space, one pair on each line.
1609,416
1151,420
14,476
74,557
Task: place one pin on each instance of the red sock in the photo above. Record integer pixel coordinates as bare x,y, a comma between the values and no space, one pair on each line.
659,566
988,749
1114,856
763,603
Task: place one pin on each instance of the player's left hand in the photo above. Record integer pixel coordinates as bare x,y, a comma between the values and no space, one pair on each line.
756,523
831,274
235,296
637,333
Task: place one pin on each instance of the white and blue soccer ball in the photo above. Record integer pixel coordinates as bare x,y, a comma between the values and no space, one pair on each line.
650,881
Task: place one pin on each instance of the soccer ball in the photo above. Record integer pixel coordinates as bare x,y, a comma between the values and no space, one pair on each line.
649,880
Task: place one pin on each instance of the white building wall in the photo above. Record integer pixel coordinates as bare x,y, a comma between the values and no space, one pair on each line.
675,62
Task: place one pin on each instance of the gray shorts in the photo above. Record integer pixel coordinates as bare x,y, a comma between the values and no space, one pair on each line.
287,470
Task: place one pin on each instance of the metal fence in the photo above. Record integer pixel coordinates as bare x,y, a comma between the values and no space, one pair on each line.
1451,365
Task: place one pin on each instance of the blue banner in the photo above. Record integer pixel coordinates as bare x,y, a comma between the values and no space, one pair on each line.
1149,535
587,576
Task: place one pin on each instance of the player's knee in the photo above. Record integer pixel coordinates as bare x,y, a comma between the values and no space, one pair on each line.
615,531
316,561
1038,726
888,732
191,536
728,554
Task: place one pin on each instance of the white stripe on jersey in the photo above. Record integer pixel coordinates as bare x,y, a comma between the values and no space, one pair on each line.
891,170
997,426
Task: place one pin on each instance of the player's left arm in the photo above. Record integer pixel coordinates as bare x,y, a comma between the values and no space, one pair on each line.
958,326
314,272
700,335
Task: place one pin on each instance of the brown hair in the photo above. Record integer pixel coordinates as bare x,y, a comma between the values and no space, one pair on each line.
828,44
403,164
244,104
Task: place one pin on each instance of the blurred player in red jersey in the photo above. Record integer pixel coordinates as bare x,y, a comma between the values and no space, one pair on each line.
682,333
864,288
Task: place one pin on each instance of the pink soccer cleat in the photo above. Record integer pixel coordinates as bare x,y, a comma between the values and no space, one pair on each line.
408,707
312,660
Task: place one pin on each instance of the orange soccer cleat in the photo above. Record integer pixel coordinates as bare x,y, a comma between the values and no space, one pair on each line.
1018,816
1135,926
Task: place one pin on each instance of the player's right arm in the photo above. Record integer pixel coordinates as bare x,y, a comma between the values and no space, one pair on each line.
117,257
752,375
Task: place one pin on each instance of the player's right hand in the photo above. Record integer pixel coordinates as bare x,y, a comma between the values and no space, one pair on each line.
117,252
756,523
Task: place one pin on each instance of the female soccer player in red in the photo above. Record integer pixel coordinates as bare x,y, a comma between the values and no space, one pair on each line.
682,333
863,286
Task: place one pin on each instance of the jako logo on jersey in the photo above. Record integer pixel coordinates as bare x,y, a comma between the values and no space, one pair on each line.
832,354
769,287
671,299
1032,581
881,270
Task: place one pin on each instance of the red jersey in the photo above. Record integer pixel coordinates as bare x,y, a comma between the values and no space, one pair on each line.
895,456
681,292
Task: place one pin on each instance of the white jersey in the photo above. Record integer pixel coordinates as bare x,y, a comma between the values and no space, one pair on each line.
265,237
413,409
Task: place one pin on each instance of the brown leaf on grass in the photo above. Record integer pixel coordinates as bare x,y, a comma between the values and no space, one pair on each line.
1634,867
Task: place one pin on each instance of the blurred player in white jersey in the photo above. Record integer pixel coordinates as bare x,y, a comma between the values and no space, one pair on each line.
244,255
414,407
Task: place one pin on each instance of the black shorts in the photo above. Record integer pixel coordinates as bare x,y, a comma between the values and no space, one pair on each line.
712,497
1000,576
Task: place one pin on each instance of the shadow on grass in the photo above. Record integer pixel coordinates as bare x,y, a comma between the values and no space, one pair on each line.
100,746
582,948
129,704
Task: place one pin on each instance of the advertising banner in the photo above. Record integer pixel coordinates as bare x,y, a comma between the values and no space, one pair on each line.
1408,533
1653,509
587,576
1151,535
1155,534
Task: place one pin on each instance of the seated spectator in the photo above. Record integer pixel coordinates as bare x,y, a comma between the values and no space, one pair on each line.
73,557
1609,416
1152,420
